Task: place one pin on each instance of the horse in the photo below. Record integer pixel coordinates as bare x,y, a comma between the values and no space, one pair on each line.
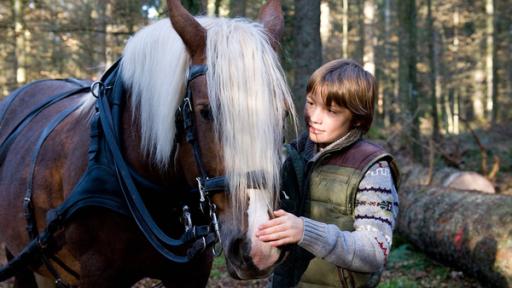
191,122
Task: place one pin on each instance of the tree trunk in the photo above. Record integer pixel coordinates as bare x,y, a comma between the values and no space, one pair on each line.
388,99
369,12
217,8
195,7
467,230
237,8
454,109
359,55
407,72
10,59
101,23
495,107
433,73
307,51
19,42
490,69
344,43
508,37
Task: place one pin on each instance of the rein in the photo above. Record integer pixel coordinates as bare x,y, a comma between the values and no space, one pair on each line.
200,237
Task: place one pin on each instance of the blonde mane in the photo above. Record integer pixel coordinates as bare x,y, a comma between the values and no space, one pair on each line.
247,89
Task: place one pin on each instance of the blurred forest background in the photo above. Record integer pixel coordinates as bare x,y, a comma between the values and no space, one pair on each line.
444,70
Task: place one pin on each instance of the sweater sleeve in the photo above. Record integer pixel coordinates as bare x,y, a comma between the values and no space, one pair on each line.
366,248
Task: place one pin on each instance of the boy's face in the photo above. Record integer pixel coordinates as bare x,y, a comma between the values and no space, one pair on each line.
326,124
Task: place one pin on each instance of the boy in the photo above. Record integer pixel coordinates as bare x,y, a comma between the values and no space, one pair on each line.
343,188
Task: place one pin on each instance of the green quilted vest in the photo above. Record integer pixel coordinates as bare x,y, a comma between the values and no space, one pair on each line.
332,194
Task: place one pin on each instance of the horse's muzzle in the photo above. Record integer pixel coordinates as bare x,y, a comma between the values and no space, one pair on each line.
241,264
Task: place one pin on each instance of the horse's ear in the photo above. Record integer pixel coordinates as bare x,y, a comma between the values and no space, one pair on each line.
271,16
190,31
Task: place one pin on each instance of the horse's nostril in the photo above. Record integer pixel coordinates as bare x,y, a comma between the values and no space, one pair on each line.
235,249
239,251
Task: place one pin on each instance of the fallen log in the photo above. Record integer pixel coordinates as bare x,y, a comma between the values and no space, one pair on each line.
447,177
469,231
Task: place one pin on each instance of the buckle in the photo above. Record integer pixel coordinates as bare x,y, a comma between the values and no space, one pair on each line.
187,219
186,103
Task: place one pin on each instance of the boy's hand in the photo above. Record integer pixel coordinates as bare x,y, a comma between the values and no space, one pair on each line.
286,228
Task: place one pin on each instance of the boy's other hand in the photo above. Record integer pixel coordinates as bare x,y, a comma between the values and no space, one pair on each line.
286,228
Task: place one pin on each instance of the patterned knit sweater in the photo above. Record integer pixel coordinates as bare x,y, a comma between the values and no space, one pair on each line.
366,248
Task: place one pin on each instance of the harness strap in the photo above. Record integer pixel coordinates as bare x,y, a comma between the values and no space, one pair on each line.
65,267
29,254
6,144
188,118
14,95
214,185
43,244
27,200
150,229
38,247
8,101
135,203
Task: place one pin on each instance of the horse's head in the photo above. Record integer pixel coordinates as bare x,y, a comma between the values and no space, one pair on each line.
238,110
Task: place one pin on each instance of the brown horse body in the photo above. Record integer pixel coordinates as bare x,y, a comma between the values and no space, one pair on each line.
106,248
111,261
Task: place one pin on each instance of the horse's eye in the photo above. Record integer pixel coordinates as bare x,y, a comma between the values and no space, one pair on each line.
206,113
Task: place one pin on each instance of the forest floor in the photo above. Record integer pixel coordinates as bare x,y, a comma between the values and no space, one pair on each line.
406,268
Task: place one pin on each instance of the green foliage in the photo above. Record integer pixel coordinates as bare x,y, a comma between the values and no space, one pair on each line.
411,268
407,258
506,162
218,268
399,282
193,6
440,272
377,132
398,240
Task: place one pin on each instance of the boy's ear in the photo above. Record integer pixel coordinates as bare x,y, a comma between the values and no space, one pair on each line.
356,123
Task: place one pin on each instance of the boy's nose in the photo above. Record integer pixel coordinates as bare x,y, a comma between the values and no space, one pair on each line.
316,116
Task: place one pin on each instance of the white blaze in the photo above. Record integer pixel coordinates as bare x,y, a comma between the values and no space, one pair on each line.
263,255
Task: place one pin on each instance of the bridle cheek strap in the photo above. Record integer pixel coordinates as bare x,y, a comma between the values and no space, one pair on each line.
206,186
188,118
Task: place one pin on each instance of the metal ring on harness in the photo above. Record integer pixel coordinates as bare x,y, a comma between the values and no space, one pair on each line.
96,88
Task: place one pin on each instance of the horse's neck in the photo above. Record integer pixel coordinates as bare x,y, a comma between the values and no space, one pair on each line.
131,149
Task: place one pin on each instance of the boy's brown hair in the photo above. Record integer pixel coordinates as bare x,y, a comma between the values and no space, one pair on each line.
347,84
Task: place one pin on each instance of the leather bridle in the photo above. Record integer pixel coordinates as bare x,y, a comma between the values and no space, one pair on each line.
206,186
199,237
